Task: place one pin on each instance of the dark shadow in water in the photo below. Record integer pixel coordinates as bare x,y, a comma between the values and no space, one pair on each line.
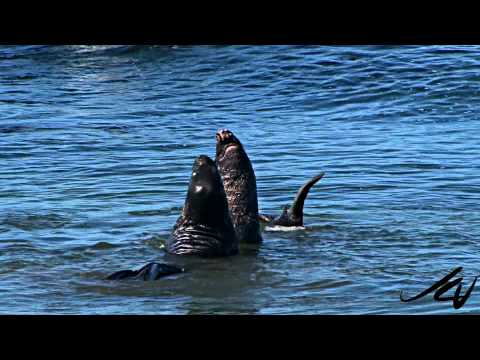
8,129
209,285
31,221
221,285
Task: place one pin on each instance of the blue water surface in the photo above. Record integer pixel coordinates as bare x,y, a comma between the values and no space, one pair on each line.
97,144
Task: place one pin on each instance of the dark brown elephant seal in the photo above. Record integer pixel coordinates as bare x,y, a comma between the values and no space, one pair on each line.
240,186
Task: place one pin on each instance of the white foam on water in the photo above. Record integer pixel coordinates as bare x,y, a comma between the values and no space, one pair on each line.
284,228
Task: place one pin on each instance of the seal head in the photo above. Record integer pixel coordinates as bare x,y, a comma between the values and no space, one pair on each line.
204,227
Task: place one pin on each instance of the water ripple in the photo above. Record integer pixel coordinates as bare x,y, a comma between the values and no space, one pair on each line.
97,147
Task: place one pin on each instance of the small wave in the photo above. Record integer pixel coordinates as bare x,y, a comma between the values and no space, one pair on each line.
8,129
103,245
173,210
120,50
103,49
25,76
26,221
156,241
78,252
326,227
16,248
116,129
14,265
324,284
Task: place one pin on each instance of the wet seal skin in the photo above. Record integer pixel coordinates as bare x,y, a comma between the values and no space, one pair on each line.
205,227
151,271
240,186
292,215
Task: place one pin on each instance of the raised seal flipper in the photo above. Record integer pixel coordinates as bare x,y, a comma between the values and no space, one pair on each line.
293,215
296,211
151,271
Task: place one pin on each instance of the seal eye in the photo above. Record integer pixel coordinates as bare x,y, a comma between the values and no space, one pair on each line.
197,189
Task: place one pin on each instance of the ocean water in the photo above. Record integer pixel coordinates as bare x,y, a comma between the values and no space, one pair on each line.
96,149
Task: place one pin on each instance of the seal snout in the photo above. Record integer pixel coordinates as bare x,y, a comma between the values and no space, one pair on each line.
204,160
225,136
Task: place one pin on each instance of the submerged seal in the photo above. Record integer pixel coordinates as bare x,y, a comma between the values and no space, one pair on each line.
205,227
151,271
240,186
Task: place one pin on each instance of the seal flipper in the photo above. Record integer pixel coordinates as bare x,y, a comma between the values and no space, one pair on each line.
296,211
151,271
293,215
154,271
123,274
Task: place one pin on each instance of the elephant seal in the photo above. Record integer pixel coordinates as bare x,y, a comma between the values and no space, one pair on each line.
240,186
292,215
205,227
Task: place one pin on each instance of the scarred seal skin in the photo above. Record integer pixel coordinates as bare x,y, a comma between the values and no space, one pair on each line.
204,227
240,186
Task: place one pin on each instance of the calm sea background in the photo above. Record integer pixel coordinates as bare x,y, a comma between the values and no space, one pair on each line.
97,145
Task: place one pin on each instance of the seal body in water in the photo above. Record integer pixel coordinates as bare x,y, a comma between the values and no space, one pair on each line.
240,186
292,215
205,227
